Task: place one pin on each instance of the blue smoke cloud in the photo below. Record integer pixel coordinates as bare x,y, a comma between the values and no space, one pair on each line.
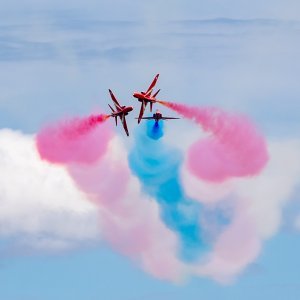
157,167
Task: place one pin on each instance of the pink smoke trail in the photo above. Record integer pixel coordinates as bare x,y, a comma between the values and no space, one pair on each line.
129,222
79,140
235,149
237,246
97,163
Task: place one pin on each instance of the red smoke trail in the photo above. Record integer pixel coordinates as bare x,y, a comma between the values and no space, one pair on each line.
78,140
235,149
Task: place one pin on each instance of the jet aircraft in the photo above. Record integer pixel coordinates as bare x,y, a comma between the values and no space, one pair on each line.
121,112
146,97
158,116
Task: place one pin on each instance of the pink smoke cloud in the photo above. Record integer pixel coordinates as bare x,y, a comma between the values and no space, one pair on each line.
235,148
79,140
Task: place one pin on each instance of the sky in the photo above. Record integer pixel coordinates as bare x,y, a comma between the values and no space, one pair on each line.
58,61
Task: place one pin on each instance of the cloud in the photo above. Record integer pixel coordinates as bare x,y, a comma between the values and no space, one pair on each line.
52,208
40,205
253,64
274,188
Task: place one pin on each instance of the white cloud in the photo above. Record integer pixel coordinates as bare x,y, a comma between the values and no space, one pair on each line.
39,203
266,195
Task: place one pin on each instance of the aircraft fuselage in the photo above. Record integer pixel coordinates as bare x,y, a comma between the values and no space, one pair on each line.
124,111
141,97
157,117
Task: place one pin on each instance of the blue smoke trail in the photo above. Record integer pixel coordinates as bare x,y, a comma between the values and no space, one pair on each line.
157,167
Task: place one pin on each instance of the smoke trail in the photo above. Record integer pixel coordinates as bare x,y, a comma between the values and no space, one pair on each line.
129,222
235,149
97,163
157,167
78,140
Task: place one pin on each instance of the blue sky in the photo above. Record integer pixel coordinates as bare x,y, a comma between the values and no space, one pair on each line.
101,273
224,55
58,60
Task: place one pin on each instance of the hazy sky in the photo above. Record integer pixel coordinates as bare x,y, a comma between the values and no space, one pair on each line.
59,60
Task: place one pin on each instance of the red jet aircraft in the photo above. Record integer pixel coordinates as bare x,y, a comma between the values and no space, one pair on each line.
158,116
121,112
146,97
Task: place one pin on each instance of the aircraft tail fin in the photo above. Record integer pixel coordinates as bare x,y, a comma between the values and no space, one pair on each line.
111,108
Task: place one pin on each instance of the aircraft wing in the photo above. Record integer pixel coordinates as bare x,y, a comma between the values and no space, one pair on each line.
152,85
118,106
141,112
125,125
146,118
169,118
148,93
